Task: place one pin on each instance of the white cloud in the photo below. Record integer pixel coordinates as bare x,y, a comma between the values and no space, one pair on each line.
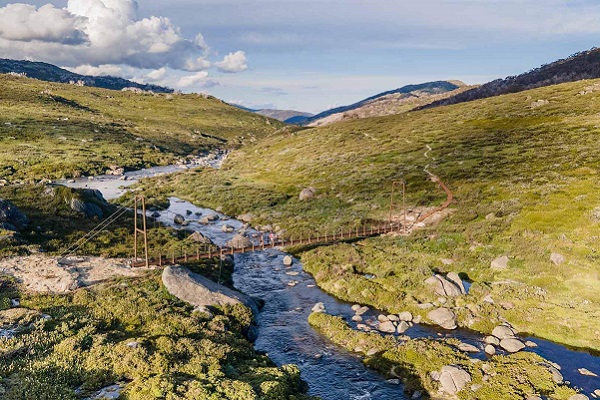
97,33
233,62
101,70
25,23
198,80
156,75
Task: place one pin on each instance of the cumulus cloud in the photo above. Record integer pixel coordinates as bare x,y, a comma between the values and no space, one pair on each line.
90,35
233,62
156,75
26,23
198,80
101,70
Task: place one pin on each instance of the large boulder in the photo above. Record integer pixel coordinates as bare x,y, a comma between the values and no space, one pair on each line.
504,332
443,317
512,345
454,278
200,291
442,286
198,237
239,242
10,214
453,379
307,193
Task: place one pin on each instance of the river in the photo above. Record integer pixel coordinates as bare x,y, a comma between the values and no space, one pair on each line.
290,293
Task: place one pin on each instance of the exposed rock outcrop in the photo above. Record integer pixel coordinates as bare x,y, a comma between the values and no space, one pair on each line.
200,291
10,214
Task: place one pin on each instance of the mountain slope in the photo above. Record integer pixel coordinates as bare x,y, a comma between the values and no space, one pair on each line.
283,115
51,73
51,130
524,174
579,66
391,102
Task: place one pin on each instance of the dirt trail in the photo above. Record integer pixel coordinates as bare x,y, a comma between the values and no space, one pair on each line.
40,273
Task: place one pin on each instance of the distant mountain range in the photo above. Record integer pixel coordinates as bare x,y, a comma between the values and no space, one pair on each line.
52,73
578,66
287,116
395,101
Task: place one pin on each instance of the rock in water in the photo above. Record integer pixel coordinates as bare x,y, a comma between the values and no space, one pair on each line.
469,348
288,261
227,228
500,263
512,345
402,327
307,194
319,307
587,372
239,242
443,317
387,327
200,238
579,396
489,349
199,291
453,379
405,316
503,332
179,219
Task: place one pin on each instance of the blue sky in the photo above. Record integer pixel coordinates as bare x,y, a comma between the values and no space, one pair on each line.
312,55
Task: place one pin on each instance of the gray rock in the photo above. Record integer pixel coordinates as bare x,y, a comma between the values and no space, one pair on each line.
417,319
179,219
512,345
355,307
587,372
204,221
357,318
288,261
500,263
503,332
529,343
382,318
319,307
133,345
454,278
227,228
362,310
469,348
393,317
416,395
489,349
453,379
213,217
556,375
198,237
443,287
239,242
307,193
534,398
492,340
443,317
579,396
387,327
248,217
557,258
405,316
402,327
199,291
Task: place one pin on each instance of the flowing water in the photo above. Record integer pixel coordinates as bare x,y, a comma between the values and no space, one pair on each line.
290,293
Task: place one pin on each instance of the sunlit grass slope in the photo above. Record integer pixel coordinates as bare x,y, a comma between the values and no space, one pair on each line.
50,130
524,170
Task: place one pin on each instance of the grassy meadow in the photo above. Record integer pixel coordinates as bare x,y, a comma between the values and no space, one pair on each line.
51,130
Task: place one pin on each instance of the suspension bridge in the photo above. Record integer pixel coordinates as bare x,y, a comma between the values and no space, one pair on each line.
209,250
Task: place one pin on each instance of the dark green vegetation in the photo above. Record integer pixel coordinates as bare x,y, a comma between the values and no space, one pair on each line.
55,225
515,376
52,73
50,130
524,171
132,331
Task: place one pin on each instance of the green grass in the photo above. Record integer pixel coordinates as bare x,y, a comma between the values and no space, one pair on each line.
532,170
180,354
510,377
50,130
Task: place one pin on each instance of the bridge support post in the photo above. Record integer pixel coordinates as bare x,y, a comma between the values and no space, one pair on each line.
137,201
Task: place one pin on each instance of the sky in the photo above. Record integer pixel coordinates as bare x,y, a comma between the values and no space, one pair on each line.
307,55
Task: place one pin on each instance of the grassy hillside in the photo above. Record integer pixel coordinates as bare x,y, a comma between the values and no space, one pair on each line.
51,130
132,332
524,171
